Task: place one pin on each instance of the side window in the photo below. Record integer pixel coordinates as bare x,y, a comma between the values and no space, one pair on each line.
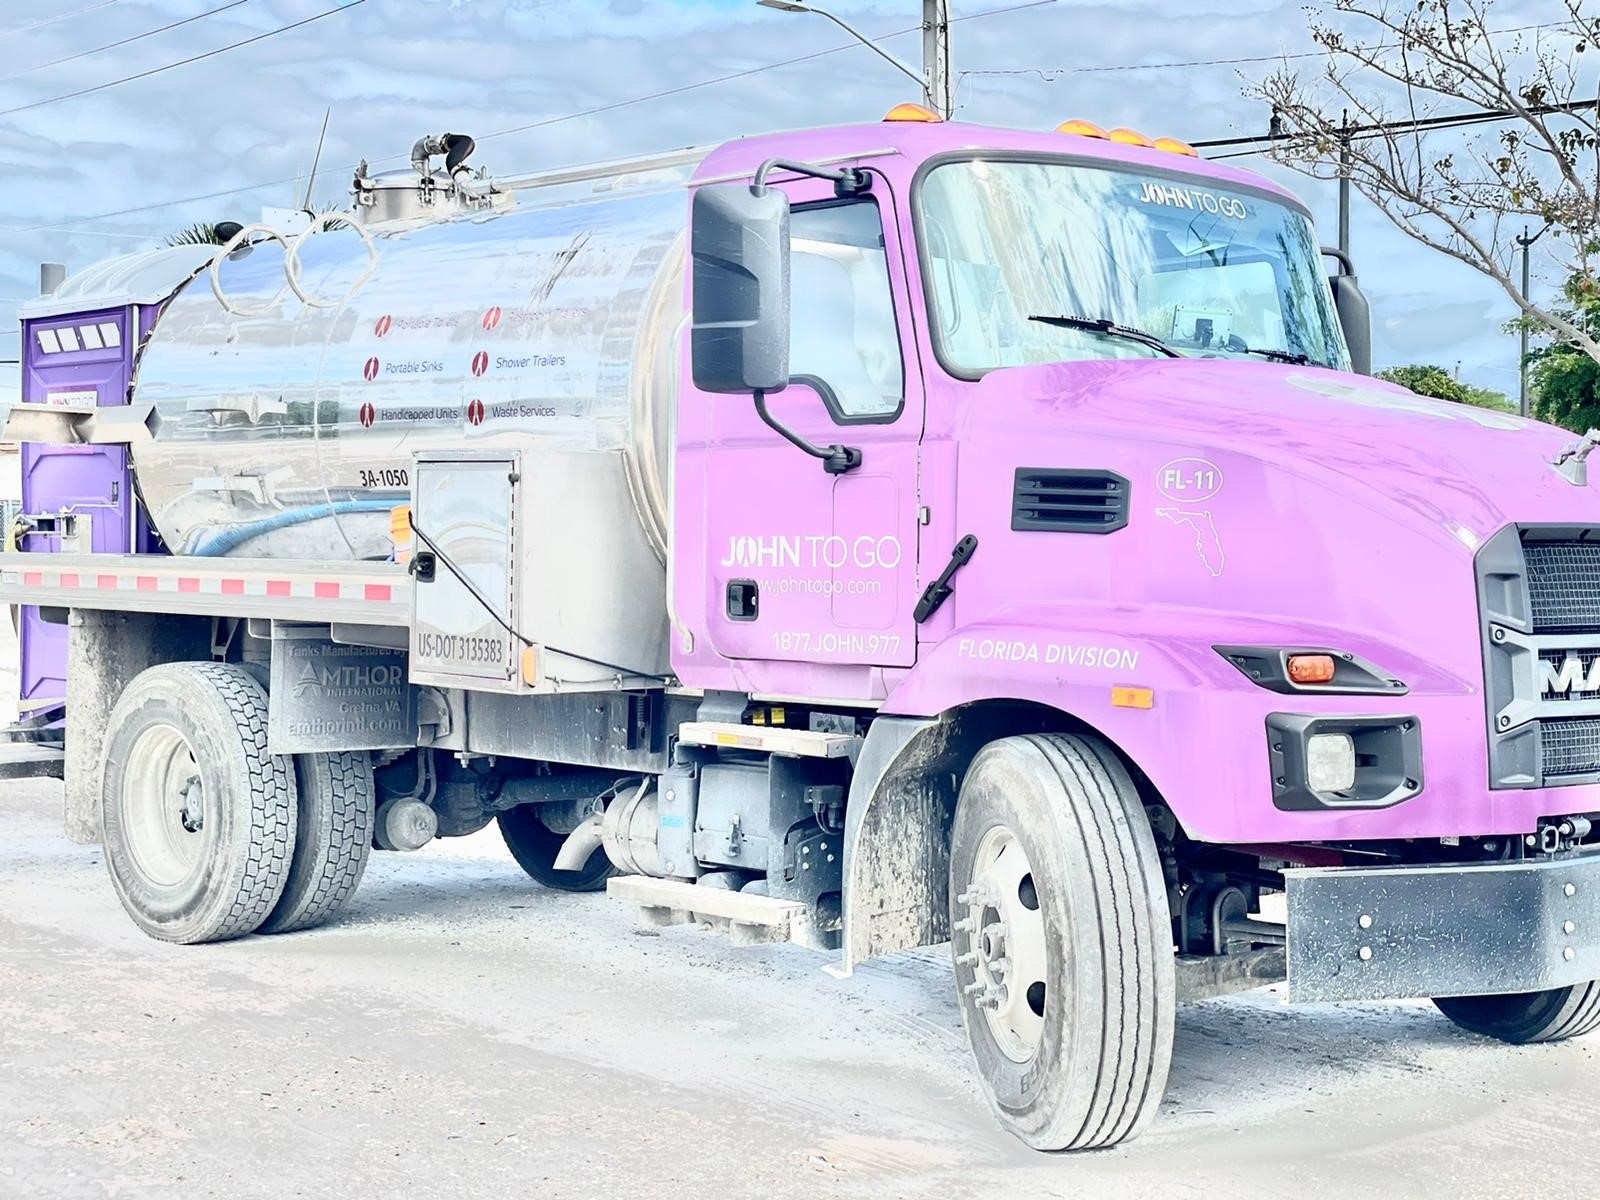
842,311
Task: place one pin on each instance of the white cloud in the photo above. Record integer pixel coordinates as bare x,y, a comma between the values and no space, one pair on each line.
393,69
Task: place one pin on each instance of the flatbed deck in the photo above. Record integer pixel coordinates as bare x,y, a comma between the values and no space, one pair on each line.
368,593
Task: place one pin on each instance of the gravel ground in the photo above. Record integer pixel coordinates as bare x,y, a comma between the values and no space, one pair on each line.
461,1033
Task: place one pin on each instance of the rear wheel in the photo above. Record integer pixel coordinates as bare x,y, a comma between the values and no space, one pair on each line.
1523,1017
1062,942
199,820
535,845
333,841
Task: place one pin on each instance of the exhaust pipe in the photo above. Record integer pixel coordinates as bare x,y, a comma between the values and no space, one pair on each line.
580,845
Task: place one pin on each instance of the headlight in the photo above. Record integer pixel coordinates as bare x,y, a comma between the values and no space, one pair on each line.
1330,762
1343,762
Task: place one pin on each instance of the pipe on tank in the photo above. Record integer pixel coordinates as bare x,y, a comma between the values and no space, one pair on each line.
456,147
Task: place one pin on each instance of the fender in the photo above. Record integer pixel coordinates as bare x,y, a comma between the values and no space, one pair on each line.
1057,671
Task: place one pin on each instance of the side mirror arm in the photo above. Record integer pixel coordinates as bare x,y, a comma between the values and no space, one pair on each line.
836,459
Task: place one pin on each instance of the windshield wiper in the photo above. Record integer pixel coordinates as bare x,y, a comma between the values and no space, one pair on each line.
1108,328
1283,356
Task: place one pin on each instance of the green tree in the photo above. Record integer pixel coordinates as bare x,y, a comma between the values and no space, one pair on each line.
1482,397
1427,380
1564,381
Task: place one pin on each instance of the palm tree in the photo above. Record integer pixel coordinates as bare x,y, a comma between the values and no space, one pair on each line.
203,233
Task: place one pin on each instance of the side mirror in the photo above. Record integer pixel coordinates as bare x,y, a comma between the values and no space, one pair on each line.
739,255
1355,314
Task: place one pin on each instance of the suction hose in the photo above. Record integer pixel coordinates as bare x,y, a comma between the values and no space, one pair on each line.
227,540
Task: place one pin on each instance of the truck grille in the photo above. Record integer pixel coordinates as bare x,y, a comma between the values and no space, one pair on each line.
1563,586
1539,600
1569,747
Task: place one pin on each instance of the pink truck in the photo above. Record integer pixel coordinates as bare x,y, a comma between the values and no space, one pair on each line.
862,537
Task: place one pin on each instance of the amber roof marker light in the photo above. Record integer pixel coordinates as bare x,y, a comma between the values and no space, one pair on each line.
1125,137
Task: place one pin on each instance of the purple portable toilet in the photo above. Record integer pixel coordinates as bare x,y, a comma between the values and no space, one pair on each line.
79,347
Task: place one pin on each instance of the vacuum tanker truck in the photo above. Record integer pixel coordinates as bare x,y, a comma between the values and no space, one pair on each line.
865,537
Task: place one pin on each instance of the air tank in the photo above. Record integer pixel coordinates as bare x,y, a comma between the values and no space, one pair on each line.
546,317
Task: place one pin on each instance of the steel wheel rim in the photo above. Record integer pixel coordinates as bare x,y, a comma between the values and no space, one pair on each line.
163,806
1004,945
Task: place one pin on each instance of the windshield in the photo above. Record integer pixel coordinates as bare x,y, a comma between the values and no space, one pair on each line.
1214,272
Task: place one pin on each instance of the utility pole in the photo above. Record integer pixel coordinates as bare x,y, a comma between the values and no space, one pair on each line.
1526,243
1344,182
936,57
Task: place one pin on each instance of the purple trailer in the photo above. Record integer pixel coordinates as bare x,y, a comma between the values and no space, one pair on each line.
863,537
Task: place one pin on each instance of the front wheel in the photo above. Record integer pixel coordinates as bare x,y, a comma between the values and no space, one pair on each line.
1524,1017
1062,942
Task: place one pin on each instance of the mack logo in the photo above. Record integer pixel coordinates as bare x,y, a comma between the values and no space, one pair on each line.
1569,676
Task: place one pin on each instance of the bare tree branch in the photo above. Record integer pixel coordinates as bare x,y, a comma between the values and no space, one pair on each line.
1463,194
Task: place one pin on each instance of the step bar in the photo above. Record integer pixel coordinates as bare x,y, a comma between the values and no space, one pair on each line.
751,920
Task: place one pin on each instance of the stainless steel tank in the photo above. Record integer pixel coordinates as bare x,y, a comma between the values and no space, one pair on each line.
550,322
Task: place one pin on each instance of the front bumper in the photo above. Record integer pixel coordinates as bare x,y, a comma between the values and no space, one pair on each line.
1390,933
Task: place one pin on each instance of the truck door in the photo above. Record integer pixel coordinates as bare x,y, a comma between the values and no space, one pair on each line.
807,566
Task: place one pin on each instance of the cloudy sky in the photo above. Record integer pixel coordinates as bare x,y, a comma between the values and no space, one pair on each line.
112,171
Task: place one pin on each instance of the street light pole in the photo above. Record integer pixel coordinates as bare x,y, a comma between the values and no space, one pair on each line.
934,80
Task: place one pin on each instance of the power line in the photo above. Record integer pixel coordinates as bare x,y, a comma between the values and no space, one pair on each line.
40,24
182,62
1051,74
1445,121
254,187
127,41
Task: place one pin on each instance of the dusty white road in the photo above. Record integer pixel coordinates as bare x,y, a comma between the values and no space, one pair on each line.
461,1033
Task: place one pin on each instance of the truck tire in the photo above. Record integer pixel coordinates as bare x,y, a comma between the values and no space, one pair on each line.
199,820
1062,941
534,845
333,838
1524,1017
